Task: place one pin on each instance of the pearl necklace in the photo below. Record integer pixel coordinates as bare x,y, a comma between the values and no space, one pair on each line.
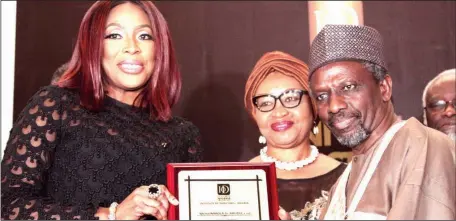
290,165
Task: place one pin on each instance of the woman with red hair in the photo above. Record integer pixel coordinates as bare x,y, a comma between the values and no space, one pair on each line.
96,143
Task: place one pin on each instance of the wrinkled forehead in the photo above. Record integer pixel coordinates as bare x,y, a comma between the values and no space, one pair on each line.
443,88
446,79
337,73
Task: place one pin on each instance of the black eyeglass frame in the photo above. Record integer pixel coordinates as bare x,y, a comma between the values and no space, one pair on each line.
435,109
301,93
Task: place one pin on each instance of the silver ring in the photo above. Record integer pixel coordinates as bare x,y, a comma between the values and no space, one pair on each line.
154,191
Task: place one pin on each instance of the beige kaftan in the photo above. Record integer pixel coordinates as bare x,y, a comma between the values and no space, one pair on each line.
415,178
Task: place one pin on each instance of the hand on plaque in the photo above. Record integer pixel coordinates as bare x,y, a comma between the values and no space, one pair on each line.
283,215
146,200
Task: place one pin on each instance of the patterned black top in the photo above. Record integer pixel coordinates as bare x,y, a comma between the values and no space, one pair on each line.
303,195
63,161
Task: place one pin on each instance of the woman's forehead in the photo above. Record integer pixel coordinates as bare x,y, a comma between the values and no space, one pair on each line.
277,83
127,13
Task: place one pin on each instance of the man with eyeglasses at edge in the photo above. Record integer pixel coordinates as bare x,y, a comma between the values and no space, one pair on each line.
439,103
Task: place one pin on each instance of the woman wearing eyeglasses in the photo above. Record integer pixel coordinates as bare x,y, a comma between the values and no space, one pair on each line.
277,97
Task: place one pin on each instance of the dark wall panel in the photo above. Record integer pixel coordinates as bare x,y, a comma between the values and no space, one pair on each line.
218,43
45,35
419,43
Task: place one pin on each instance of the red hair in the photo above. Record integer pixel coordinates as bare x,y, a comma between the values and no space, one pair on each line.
85,70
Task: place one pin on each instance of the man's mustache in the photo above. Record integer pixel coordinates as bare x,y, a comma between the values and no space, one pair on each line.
333,118
448,121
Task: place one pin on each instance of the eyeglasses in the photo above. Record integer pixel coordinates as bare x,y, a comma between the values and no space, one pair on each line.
440,105
289,99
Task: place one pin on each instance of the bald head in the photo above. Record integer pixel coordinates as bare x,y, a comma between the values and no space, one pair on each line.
439,102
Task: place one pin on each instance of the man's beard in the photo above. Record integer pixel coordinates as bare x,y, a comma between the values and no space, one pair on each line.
358,134
450,131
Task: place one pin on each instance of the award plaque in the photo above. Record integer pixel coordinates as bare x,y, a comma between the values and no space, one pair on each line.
220,191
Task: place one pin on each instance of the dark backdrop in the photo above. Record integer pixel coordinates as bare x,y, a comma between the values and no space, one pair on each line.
218,43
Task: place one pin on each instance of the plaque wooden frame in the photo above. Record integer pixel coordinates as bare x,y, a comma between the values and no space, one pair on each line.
173,170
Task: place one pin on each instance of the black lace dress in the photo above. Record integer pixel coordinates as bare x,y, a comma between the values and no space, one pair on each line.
63,162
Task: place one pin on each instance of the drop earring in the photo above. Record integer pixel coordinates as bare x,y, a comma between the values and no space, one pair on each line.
262,140
315,129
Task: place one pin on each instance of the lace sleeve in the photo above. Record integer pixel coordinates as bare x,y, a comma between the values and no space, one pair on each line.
28,157
195,151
